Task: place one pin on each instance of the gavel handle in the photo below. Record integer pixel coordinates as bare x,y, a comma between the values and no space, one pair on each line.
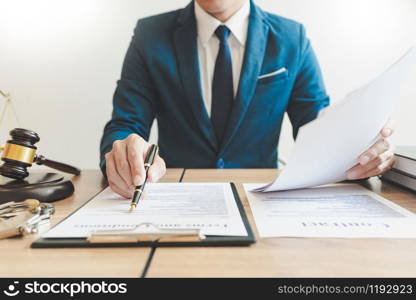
42,160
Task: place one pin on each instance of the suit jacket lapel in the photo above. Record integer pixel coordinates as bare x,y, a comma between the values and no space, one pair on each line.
185,39
253,59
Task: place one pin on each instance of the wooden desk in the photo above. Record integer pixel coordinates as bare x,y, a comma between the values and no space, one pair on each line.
17,259
291,257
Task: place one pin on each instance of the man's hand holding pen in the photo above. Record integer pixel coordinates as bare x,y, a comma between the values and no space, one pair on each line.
148,162
125,165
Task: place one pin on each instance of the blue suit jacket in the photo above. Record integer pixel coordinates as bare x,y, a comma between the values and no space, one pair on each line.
160,79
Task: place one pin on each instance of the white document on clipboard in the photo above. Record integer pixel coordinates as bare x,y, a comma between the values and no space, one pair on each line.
336,211
209,207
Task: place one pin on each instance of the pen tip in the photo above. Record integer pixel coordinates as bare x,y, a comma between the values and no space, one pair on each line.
132,207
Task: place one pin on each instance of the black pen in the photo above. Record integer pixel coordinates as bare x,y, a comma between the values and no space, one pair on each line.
138,191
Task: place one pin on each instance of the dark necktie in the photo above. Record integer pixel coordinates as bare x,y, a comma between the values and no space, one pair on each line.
222,84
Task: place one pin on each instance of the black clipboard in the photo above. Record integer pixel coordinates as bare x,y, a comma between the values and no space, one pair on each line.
210,240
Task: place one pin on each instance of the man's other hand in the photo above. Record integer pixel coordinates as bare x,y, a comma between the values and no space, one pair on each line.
376,160
125,165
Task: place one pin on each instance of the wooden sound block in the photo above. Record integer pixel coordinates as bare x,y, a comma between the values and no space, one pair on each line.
45,187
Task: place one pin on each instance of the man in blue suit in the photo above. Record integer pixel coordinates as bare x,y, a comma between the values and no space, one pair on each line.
218,76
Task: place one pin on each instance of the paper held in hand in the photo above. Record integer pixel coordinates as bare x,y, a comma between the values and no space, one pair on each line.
330,145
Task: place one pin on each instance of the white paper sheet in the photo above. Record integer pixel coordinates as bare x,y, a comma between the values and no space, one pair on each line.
330,145
210,207
337,211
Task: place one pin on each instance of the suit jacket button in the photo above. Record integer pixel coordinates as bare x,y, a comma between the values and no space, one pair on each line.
220,164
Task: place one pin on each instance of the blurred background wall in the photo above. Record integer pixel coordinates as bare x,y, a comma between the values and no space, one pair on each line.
60,60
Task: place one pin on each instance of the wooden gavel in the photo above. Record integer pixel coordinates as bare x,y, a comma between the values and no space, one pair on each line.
19,153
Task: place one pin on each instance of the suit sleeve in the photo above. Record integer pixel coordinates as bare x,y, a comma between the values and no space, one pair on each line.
308,95
134,100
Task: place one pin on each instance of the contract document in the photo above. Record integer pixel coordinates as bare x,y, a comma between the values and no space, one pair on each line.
210,207
337,211
331,144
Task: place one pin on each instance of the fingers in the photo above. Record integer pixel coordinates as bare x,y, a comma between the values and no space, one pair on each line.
125,165
381,146
136,146
388,129
117,184
380,169
157,170
119,154
360,171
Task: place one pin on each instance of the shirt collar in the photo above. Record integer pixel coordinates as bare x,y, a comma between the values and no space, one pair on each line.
207,24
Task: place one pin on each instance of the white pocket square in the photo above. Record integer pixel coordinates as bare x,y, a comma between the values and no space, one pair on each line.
281,70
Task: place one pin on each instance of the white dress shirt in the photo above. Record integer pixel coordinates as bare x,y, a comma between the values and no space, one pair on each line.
208,46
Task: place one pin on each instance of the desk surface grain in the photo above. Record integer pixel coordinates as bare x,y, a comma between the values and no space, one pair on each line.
17,259
291,257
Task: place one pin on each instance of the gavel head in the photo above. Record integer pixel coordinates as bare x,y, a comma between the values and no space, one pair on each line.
19,153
